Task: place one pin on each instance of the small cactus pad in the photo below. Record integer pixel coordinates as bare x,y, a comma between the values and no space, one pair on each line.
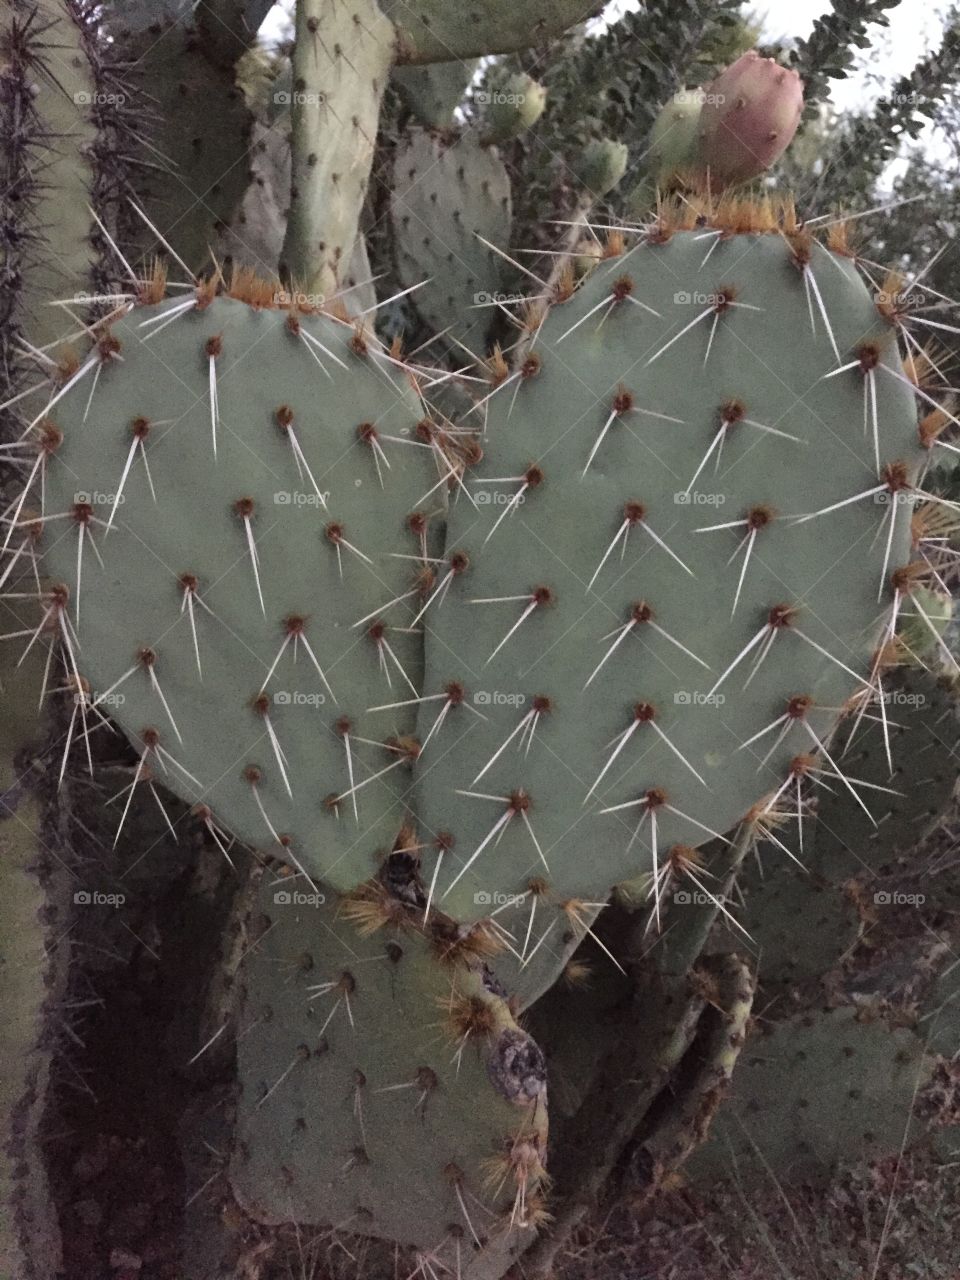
433,92
659,635
232,622
814,1091
385,1086
540,937
445,193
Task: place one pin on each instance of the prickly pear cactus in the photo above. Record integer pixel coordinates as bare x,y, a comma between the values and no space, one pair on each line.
680,586
249,663
384,1082
446,194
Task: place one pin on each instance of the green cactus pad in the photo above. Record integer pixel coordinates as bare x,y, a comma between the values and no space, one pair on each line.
801,919
433,31
433,92
308,414
607,432
445,193
540,938
381,1082
817,1090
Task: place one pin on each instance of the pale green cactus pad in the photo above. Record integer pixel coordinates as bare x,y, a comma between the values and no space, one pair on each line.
233,627
385,1086
446,193
646,613
818,1090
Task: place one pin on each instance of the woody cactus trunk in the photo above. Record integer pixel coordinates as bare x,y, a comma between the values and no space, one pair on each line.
466,686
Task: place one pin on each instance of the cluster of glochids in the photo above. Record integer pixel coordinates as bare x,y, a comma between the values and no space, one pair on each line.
582,592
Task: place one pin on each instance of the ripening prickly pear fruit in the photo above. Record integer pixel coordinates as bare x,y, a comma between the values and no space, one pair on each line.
513,108
602,164
748,118
674,145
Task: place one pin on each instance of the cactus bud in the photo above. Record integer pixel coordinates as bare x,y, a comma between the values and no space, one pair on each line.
674,143
514,107
749,116
602,164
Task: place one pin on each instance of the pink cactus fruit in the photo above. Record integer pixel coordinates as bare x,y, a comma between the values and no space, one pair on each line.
748,118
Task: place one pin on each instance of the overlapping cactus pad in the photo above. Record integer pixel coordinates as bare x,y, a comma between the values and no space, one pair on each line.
385,1086
696,486
236,560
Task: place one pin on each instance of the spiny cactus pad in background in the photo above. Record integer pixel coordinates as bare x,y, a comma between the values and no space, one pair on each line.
812,1092
629,649
445,194
433,30
433,92
385,1087
234,626
800,918
199,172
540,937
